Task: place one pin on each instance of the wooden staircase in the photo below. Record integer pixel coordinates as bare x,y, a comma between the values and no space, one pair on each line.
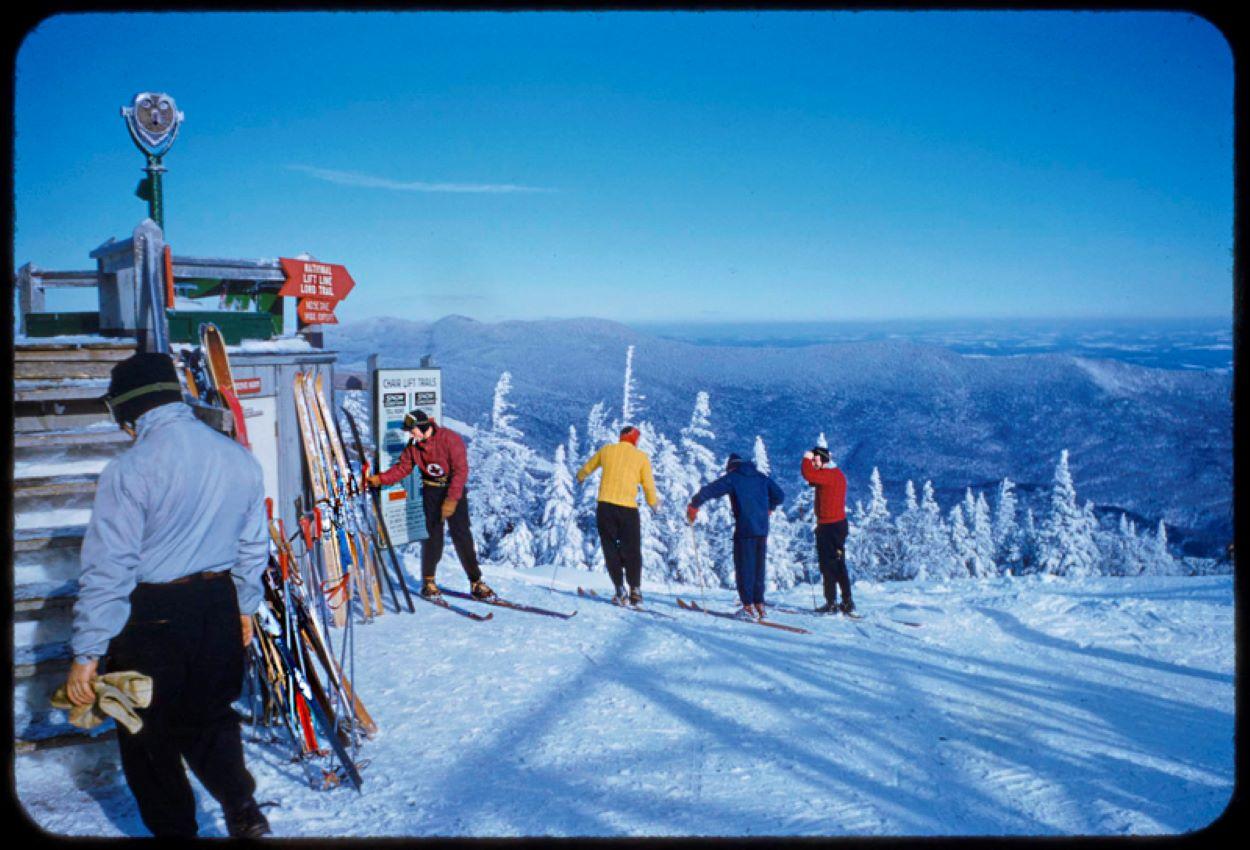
63,437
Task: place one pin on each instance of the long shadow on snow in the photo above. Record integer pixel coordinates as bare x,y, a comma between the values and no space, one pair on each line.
1142,717
1013,627
831,780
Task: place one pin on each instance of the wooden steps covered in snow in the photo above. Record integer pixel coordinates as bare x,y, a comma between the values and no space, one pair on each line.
55,485
79,437
63,437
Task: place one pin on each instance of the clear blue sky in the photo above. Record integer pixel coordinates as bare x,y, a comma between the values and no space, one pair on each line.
659,166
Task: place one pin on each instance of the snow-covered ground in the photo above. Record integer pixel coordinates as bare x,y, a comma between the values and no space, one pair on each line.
1025,706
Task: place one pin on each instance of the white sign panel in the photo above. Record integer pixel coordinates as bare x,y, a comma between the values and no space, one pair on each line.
395,392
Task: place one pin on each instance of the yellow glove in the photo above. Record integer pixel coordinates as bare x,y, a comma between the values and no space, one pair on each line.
117,695
449,507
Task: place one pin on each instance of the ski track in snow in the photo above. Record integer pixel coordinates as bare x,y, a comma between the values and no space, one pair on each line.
1020,706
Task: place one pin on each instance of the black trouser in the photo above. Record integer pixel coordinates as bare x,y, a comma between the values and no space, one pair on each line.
188,638
620,535
831,552
461,535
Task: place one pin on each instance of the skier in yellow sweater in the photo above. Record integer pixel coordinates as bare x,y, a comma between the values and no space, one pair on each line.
625,467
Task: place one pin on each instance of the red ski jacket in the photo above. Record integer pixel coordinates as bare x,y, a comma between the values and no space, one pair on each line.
830,486
441,459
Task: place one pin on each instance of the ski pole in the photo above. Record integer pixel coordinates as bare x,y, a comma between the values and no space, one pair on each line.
811,582
698,564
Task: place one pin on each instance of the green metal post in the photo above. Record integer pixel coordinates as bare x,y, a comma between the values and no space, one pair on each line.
156,205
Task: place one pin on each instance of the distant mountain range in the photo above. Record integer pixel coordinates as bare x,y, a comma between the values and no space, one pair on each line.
1154,442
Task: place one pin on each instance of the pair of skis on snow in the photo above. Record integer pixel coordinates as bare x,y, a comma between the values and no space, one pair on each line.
686,606
587,593
497,601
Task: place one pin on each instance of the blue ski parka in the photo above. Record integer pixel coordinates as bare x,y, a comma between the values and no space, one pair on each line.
752,495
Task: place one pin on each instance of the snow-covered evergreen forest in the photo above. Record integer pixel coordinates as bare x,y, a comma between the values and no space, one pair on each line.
528,511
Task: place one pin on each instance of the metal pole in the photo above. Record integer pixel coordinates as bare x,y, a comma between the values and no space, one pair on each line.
156,201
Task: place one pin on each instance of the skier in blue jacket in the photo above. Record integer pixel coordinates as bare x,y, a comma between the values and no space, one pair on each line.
753,495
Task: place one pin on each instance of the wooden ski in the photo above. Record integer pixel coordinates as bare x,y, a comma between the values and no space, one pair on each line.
218,364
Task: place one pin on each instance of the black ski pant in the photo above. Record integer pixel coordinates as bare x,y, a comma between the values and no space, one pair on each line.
461,534
620,535
750,554
831,553
187,636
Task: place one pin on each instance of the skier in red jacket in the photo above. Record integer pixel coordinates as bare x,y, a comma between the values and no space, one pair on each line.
821,472
438,453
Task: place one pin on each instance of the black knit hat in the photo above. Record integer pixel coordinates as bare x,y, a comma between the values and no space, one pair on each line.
416,418
822,453
732,463
139,383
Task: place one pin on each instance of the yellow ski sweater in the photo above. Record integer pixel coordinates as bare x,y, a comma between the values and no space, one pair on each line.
624,468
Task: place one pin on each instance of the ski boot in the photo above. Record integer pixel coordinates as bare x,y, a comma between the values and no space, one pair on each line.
745,612
635,596
247,821
847,607
828,608
619,596
759,610
480,590
429,589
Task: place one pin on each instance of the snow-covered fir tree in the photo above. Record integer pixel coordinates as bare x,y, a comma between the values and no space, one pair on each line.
1159,560
1028,545
759,454
1065,543
1120,549
654,551
675,485
782,568
714,529
962,549
802,515
504,465
631,401
872,544
933,540
559,538
500,419
911,562
598,434
598,431
516,549
572,451
1006,528
981,529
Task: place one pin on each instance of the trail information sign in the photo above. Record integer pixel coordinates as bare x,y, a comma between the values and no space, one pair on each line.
318,286
395,392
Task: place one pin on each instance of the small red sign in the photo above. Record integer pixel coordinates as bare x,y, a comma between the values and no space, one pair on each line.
397,495
315,311
247,386
311,279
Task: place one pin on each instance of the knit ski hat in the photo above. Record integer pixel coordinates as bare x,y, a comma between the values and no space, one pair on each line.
732,463
416,417
139,383
823,454
630,434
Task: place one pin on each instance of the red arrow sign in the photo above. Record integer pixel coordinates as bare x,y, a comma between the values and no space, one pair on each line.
316,311
311,279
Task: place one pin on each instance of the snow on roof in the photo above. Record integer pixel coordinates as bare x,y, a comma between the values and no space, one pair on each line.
72,339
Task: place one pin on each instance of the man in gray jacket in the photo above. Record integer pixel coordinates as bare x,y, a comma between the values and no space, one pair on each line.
171,572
